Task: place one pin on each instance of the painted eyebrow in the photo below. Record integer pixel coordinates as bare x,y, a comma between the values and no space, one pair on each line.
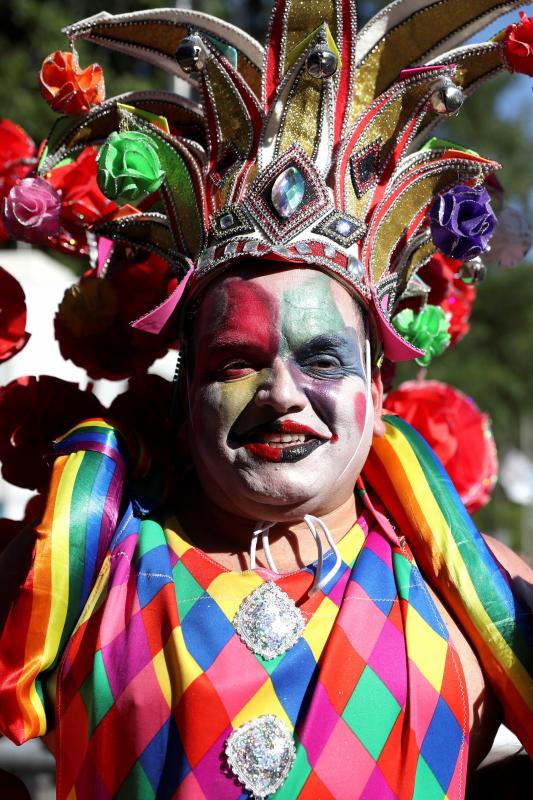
344,344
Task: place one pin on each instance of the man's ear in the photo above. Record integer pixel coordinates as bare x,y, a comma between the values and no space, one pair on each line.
377,401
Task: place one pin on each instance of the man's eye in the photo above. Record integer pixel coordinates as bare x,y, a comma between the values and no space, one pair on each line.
236,369
323,363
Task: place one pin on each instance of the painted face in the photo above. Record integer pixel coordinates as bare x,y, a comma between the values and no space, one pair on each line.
277,394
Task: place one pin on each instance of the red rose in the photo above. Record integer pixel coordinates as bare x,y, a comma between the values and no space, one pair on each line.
146,408
439,273
17,159
69,89
13,334
458,306
518,45
458,432
82,202
9,528
92,324
33,412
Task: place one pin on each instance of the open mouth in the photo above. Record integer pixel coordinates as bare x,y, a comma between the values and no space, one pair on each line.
281,441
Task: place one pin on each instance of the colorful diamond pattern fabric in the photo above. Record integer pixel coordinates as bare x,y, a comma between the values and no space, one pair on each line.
156,678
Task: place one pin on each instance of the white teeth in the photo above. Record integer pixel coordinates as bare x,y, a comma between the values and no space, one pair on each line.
280,439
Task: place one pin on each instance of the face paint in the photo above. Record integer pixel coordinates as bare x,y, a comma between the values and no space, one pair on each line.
273,396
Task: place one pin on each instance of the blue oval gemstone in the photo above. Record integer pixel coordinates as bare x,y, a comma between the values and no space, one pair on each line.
288,192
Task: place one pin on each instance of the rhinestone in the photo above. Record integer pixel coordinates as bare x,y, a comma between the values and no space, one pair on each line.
288,192
226,222
344,227
354,267
268,621
230,249
191,54
282,251
203,259
303,249
330,251
250,246
261,753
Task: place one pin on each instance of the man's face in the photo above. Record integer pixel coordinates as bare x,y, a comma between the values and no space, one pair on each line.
277,394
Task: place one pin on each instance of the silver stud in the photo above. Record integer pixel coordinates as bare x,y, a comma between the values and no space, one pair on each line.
448,99
321,63
191,54
473,271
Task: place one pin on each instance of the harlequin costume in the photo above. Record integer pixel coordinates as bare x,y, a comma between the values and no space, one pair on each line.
172,676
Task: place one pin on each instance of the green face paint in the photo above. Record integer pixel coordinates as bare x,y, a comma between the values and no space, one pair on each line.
308,309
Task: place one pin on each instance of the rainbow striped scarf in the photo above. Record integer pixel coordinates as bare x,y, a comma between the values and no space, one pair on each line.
409,481
401,472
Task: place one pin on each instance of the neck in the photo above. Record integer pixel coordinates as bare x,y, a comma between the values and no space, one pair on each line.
226,537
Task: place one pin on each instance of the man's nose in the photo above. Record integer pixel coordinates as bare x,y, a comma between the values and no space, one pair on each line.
280,390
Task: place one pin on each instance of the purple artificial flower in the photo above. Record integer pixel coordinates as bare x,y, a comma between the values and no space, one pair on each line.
31,211
462,222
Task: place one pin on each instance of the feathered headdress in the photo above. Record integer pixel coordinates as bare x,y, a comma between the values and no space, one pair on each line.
307,151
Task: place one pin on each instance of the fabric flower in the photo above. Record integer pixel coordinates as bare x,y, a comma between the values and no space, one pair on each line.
447,290
69,89
462,221
457,431
17,154
33,412
427,330
129,167
31,211
146,408
10,528
13,336
518,45
92,324
17,159
82,202
457,307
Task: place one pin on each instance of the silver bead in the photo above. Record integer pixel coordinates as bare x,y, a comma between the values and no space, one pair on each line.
448,99
321,63
191,54
473,271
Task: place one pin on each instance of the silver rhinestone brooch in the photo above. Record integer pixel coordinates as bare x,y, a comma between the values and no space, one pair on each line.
260,754
268,621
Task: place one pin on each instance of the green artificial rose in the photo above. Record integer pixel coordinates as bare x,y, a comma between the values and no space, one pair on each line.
427,330
129,167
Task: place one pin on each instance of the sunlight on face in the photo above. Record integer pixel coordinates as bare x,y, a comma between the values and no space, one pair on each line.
277,393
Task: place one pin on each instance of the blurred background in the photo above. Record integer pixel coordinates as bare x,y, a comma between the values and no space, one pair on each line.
493,364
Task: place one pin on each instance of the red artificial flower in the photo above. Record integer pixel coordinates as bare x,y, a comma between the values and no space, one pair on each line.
448,291
10,528
518,45
82,202
439,273
69,89
92,324
34,412
13,336
458,432
458,308
17,159
146,409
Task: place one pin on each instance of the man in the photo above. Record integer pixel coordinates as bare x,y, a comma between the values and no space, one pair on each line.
263,628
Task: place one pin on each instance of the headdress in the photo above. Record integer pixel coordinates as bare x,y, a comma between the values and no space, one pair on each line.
308,151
